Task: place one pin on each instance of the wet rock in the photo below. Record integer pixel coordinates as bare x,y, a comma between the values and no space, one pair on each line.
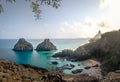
23,45
87,67
77,71
78,64
46,45
54,62
64,53
67,66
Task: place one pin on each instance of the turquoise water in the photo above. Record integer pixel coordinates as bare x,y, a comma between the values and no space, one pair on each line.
41,58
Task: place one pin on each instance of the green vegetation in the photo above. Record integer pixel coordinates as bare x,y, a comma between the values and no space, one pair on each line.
108,51
35,5
98,53
112,64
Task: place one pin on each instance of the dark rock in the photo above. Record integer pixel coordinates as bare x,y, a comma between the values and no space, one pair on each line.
77,71
78,64
23,45
96,65
73,55
54,62
46,45
87,67
67,66
64,53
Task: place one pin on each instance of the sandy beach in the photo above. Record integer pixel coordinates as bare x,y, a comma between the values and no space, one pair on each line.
94,71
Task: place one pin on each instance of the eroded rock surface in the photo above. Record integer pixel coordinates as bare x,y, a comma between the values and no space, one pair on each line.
23,45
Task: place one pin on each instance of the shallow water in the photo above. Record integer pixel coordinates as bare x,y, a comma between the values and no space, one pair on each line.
41,58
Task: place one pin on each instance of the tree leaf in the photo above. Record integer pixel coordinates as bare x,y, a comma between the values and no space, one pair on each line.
1,8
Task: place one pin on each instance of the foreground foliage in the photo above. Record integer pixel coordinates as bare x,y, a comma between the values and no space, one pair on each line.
35,5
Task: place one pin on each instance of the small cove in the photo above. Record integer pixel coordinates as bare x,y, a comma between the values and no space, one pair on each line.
41,58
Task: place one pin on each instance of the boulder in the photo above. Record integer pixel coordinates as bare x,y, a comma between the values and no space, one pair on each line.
87,67
23,45
68,66
54,62
78,64
46,45
77,71
65,67
95,65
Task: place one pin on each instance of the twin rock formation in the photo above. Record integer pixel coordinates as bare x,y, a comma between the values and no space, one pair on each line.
23,45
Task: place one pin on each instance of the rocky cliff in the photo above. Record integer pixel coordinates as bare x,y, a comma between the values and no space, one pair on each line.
23,45
106,49
46,45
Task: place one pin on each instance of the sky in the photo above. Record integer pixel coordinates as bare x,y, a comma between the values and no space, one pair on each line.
73,19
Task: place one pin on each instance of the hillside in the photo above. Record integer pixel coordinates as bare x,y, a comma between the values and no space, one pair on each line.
106,50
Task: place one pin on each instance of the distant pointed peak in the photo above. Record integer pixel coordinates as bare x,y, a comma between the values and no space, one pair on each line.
99,31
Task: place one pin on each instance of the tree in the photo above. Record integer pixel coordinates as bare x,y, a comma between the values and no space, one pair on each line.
35,5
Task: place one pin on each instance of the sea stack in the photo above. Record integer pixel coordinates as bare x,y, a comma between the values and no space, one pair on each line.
46,45
23,45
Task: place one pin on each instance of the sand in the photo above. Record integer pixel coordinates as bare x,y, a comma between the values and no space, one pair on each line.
94,71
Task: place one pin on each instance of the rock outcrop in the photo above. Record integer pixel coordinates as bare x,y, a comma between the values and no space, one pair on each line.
11,72
23,45
106,50
77,71
112,77
64,53
46,45
96,37
70,55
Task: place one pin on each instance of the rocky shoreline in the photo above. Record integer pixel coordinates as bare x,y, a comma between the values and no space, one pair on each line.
94,67
11,72
106,50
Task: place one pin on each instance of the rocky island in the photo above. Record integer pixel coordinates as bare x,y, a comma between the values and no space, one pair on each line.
46,45
23,45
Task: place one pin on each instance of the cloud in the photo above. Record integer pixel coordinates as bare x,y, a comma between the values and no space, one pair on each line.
104,3
112,11
88,28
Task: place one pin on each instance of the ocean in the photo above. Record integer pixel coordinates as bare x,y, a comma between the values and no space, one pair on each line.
41,59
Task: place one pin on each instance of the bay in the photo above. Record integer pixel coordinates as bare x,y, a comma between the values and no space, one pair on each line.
42,58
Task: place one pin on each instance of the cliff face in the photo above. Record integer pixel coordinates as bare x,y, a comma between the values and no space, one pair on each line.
23,45
106,49
46,45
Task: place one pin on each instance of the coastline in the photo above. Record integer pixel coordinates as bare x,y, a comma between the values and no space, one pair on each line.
95,71
12,72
